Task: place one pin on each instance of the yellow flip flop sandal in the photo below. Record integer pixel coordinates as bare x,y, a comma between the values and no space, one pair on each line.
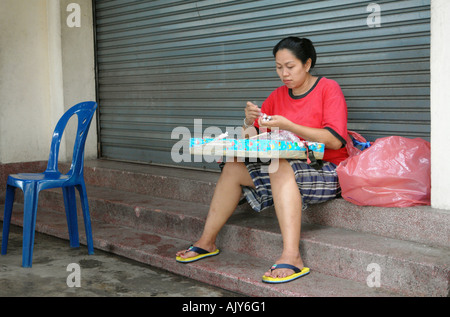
297,273
201,254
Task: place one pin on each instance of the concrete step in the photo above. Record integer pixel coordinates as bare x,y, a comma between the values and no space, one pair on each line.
407,267
234,271
339,240
421,224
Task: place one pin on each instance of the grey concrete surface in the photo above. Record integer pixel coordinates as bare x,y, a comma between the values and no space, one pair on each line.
100,275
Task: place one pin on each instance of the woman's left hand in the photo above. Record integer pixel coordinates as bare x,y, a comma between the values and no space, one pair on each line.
275,121
307,133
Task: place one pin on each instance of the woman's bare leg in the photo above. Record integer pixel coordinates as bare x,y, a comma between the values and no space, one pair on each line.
288,208
225,200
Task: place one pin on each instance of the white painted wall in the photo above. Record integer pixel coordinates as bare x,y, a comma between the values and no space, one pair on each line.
45,68
78,64
24,81
440,104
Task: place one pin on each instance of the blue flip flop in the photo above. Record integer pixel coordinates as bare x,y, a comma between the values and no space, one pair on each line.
297,273
201,254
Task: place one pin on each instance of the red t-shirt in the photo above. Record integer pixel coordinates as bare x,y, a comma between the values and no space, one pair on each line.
323,106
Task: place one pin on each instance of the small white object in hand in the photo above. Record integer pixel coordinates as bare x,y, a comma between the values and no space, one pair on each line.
266,118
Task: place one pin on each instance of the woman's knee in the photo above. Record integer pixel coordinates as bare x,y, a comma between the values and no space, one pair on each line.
280,170
238,171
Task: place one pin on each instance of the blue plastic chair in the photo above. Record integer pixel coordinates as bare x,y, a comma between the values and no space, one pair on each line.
32,184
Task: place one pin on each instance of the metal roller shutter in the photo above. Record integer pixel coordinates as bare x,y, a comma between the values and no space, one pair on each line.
162,64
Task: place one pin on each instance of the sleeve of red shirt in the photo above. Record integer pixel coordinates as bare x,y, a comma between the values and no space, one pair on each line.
335,111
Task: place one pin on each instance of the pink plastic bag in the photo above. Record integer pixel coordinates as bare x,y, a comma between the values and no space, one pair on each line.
393,172
353,139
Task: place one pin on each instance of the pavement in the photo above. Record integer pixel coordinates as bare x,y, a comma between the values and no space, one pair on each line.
57,269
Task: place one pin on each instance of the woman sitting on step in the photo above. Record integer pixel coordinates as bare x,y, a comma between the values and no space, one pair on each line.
314,109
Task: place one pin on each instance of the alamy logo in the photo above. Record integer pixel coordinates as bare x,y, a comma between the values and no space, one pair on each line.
374,19
74,18
374,278
74,278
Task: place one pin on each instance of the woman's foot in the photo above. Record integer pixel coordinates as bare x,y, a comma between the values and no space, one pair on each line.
284,272
185,254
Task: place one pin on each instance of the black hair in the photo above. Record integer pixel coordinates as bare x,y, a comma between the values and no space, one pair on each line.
302,48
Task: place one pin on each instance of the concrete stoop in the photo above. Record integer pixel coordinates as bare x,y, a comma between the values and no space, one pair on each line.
148,213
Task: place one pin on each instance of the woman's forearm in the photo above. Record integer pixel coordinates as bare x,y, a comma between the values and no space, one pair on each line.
315,135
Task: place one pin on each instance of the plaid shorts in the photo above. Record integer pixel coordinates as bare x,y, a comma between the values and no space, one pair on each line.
315,186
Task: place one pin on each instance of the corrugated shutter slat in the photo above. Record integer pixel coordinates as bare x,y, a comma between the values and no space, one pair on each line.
162,64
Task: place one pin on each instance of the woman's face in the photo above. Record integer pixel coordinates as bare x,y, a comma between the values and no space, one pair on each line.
292,72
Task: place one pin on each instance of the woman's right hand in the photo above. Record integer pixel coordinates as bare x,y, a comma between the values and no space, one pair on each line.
252,112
